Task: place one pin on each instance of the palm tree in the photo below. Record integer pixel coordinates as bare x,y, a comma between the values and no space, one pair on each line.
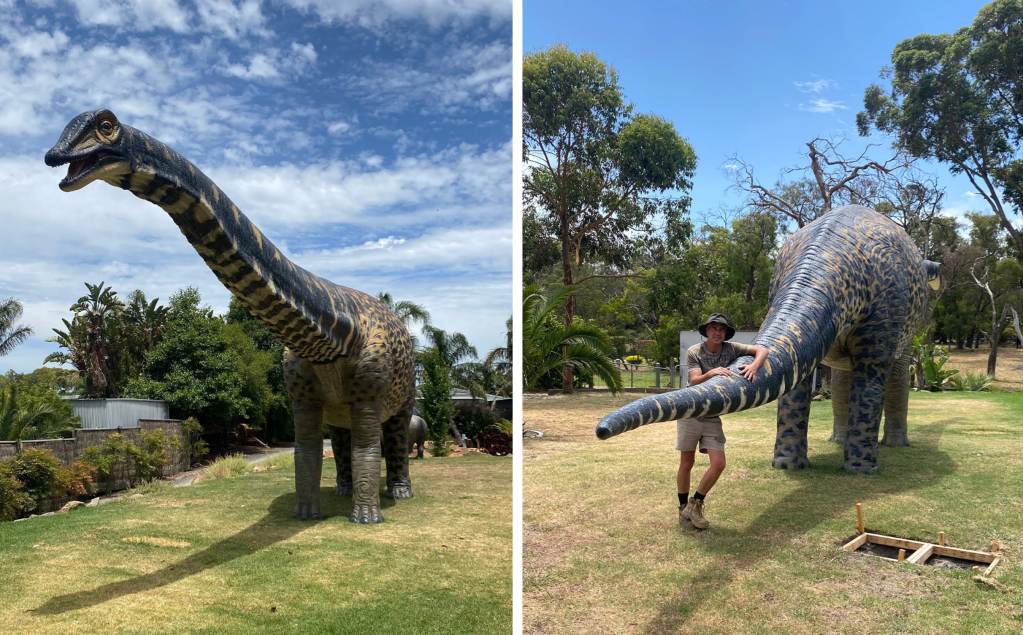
453,348
19,421
144,324
408,312
548,344
99,308
10,334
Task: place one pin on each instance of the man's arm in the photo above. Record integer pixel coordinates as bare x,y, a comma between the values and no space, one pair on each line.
698,377
750,370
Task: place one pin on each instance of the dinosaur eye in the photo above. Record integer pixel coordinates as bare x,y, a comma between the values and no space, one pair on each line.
107,127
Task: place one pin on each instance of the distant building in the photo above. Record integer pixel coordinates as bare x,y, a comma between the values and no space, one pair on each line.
117,413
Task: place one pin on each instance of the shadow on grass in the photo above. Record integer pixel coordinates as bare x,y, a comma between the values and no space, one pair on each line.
816,500
276,526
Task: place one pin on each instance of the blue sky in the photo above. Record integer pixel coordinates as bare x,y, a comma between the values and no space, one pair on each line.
757,79
369,139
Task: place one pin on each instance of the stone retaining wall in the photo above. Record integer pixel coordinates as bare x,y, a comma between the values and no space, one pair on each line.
70,450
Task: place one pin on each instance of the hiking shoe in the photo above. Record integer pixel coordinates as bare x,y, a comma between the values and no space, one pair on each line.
683,516
694,512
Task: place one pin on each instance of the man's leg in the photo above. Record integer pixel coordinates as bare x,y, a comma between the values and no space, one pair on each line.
685,468
710,477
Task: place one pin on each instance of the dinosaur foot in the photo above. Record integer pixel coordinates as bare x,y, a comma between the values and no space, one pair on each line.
307,511
366,514
790,463
858,466
895,438
344,489
399,490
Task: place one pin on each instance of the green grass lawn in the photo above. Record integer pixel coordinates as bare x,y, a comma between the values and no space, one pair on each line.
603,552
225,556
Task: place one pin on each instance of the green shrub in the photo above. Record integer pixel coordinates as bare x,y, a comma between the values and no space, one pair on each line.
14,502
38,471
146,488
118,458
437,409
971,382
228,466
281,460
473,421
195,447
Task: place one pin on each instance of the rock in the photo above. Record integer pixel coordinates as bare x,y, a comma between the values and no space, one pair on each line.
817,398
48,514
18,520
33,515
134,496
259,468
71,505
93,503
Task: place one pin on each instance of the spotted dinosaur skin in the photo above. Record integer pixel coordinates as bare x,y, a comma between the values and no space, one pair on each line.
348,362
848,291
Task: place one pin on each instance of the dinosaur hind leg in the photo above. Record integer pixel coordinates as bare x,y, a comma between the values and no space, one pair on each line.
366,463
793,416
341,439
840,380
866,399
396,451
896,403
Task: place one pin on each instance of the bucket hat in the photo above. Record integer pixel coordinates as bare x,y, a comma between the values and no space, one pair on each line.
719,319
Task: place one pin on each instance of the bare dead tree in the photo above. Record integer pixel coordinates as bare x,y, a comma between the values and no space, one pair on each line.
826,179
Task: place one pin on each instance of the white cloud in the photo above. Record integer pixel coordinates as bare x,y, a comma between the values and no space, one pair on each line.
274,63
141,15
470,76
233,20
823,106
815,86
339,127
374,13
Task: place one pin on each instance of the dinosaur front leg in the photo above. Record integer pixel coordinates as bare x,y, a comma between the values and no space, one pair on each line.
840,380
896,403
341,439
366,431
396,432
308,458
866,399
793,416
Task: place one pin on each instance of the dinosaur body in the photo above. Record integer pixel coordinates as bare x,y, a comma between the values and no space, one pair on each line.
348,362
848,291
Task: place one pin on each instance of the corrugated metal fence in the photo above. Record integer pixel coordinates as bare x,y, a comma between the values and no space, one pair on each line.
118,413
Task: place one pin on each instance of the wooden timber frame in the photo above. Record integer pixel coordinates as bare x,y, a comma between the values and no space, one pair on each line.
922,550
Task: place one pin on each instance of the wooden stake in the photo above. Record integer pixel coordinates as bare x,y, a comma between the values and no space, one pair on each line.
994,546
941,538
859,516
976,568
902,555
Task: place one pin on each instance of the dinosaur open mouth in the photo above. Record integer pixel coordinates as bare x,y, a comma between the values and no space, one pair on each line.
79,169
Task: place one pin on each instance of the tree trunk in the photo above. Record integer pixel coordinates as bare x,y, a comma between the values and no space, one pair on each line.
997,326
751,281
566,268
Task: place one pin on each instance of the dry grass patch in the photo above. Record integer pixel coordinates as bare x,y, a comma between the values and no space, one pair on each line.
603,553
156,542
1008,367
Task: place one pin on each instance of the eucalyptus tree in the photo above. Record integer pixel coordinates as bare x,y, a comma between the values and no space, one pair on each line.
597,175
958,98
11,333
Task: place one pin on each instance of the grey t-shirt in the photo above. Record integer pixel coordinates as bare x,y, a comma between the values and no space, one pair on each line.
699,356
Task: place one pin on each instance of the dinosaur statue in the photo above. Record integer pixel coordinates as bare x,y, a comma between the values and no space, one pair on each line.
417,435
847,291
348,361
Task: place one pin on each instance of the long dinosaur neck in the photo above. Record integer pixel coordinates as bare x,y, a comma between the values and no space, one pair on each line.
309,315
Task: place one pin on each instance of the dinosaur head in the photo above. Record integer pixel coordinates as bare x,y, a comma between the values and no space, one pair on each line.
92,144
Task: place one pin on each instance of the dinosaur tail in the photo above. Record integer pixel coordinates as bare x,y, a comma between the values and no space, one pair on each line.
798,332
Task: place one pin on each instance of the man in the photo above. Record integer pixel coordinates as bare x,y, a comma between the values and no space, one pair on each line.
708,360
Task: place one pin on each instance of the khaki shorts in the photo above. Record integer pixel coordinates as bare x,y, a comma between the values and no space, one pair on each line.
705,432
